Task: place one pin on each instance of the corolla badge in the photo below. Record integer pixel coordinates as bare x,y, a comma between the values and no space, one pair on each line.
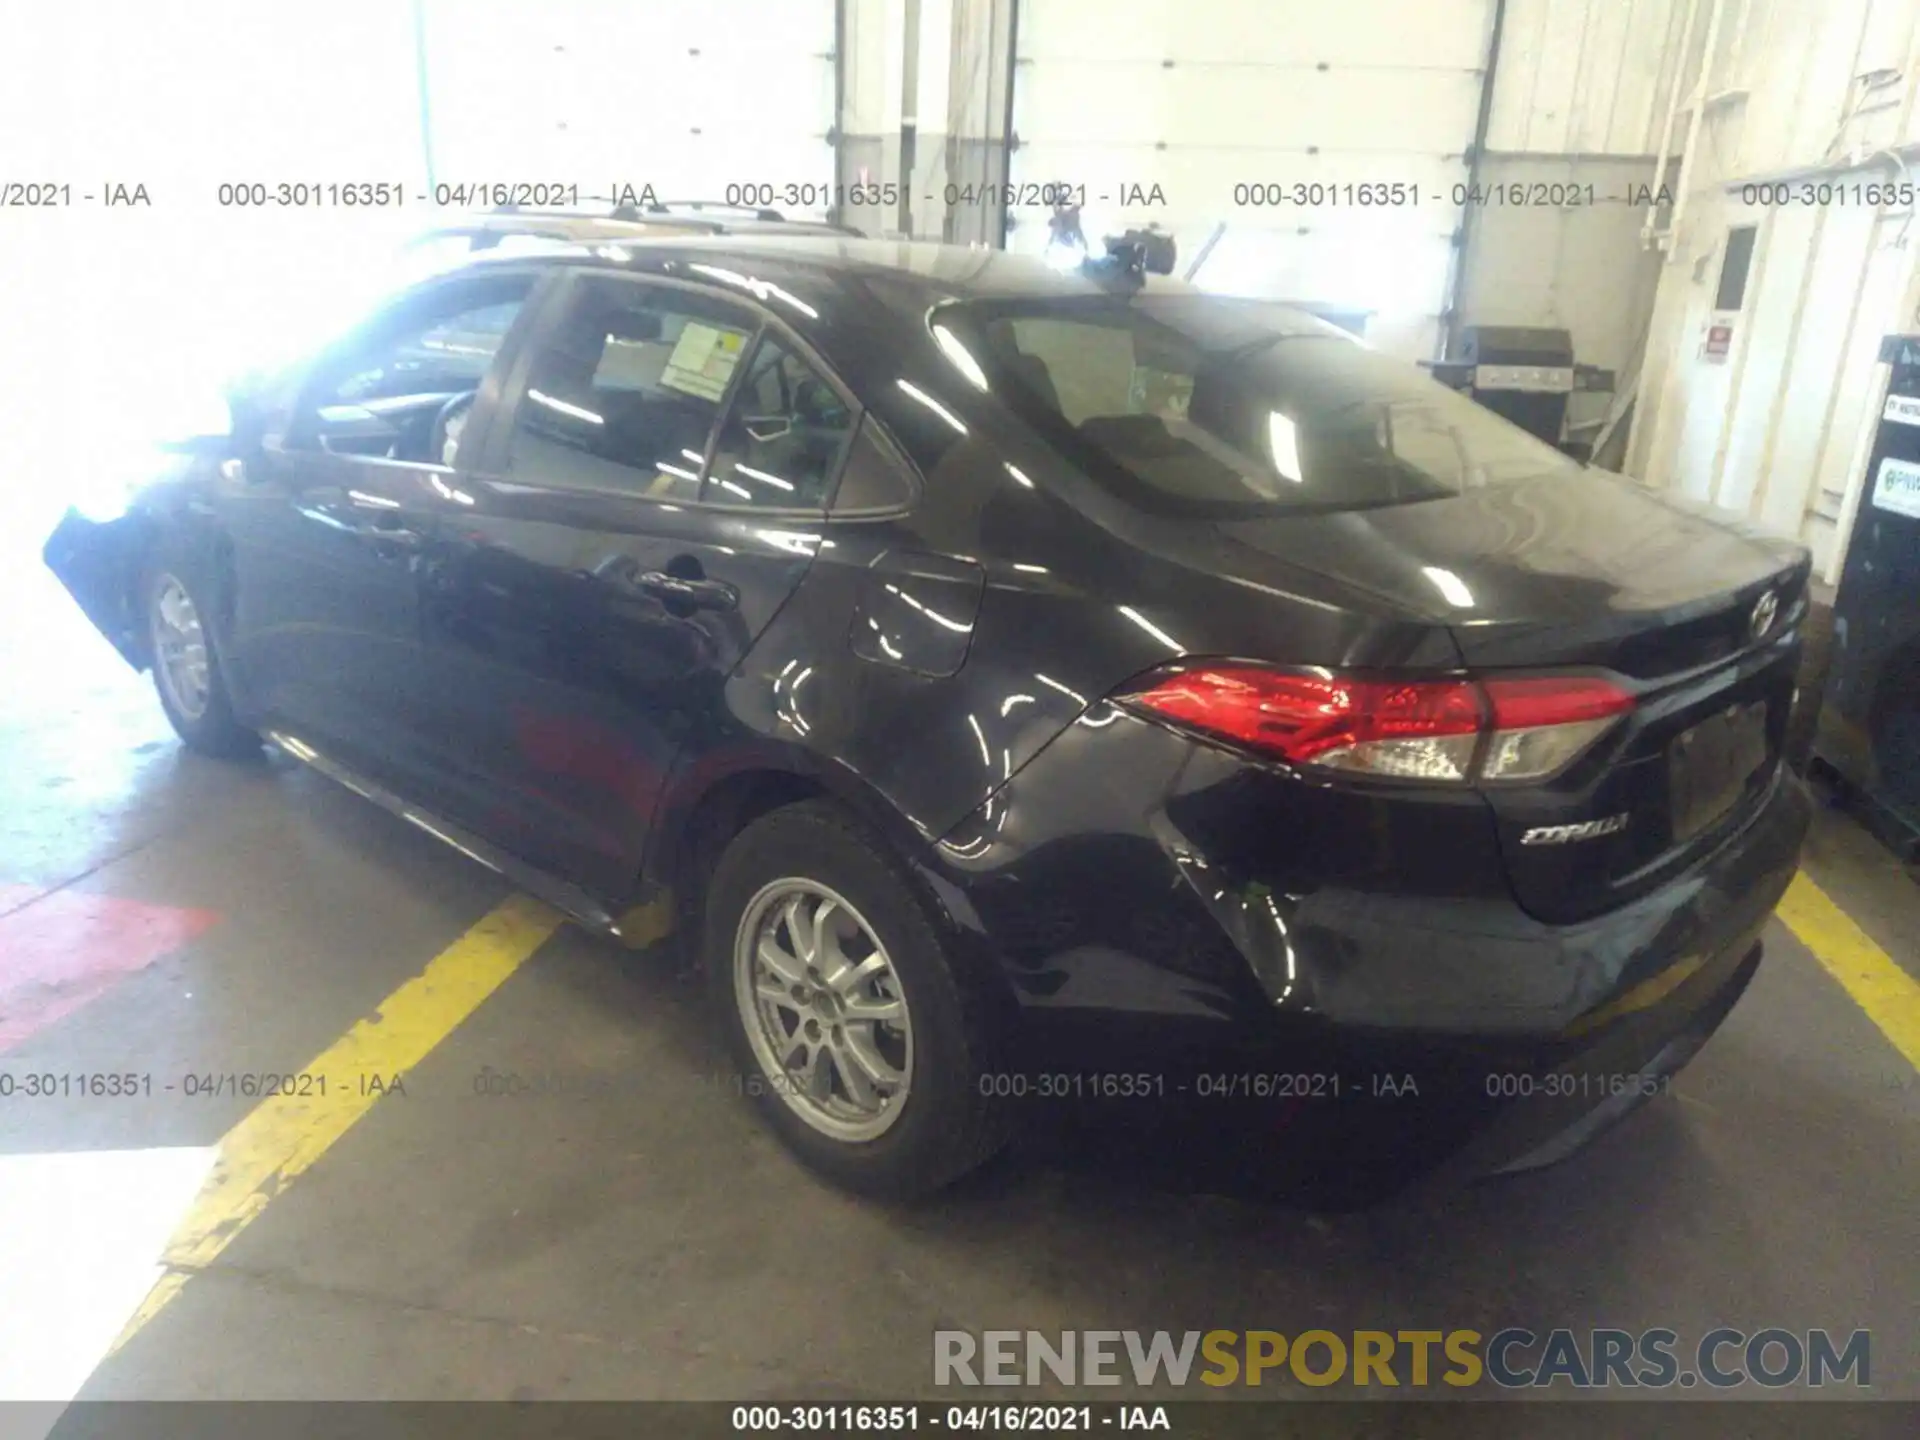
1565,834
1765,610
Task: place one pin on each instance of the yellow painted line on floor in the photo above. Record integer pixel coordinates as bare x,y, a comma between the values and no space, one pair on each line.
1644,996
284,1135
1889,995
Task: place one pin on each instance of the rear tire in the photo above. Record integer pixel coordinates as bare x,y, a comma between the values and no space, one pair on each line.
813,931
186,666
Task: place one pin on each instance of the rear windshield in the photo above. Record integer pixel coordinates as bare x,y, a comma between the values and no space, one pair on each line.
1203,406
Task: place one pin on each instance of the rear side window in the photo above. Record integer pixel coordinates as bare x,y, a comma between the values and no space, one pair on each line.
783,436
1196,405
877,477
624,393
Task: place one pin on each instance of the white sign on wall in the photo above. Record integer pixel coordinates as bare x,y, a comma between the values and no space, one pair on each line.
1902,409
1897,487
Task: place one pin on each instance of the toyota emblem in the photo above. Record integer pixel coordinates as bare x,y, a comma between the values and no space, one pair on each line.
1765,609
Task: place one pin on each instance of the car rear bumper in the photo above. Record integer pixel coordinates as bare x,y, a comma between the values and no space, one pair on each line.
1550,1114
1137,888
1480,968
1454,1027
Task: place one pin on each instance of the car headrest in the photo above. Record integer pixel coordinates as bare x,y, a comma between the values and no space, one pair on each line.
1034,374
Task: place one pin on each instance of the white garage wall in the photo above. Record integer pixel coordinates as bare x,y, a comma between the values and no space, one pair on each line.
185,99
148,304
1584,77
1579,98
958,116
686,97
1581,269
1820,91
1200,96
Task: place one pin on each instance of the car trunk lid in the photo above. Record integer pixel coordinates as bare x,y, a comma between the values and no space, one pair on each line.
1575,571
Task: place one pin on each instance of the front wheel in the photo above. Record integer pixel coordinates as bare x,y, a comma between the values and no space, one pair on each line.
852,1027
186,669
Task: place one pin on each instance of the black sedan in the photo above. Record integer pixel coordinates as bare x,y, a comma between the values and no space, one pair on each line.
1020,683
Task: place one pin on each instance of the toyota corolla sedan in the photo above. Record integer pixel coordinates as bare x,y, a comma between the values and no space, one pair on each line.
1018,683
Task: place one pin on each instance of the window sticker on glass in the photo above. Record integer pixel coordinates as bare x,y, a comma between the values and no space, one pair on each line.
703,360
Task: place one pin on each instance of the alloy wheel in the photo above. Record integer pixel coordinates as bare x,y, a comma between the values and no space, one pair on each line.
180,648
823,1009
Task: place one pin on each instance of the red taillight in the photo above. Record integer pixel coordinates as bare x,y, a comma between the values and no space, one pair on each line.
1541,723
1407,728
1519,704
1415,728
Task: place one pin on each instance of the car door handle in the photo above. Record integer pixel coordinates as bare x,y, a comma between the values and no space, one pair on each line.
700,594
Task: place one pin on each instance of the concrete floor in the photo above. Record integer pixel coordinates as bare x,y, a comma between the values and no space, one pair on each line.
641,1236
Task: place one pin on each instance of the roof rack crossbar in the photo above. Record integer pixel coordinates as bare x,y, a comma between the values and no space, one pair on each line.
706,214
758,212
774,217
627,214
712,227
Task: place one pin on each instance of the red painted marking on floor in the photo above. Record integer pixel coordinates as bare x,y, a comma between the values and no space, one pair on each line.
66,948
12,897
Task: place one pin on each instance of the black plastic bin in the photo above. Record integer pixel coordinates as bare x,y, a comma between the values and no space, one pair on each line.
1869,727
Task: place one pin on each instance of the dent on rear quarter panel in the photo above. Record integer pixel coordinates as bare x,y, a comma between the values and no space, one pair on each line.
907,664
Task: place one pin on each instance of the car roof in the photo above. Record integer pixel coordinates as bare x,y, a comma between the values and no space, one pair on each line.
627,222
917,271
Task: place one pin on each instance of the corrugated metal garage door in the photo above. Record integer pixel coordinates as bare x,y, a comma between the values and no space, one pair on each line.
1202,99
690,98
